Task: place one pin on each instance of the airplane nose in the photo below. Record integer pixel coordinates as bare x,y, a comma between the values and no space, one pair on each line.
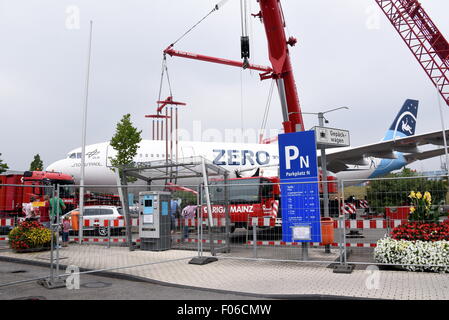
62,166
66,166
55,166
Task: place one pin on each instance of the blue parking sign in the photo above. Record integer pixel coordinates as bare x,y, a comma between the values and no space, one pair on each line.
300,198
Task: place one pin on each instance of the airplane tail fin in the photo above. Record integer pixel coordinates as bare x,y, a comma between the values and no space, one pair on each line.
405,122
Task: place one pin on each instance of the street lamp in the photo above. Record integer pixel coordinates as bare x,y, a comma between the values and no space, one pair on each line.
83,139
321,115
321,120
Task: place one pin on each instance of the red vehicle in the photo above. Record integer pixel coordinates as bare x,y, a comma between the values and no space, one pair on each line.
18,188
97,199
249,197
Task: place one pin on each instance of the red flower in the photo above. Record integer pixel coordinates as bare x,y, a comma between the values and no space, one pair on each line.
422,231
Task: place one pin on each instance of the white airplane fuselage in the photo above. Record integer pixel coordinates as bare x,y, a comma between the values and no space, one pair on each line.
231,156
246,158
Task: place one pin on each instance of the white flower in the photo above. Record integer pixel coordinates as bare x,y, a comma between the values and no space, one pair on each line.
429,256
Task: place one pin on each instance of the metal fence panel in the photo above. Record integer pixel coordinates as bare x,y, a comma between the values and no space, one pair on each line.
377,209
254,211
245,222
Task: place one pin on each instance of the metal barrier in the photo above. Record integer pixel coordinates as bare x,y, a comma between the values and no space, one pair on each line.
246,221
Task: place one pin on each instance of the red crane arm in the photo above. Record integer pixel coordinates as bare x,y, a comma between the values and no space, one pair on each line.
273,20
272,17
168,101
423,38
170,51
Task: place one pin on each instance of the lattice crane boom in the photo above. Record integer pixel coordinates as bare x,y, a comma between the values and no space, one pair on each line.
423,38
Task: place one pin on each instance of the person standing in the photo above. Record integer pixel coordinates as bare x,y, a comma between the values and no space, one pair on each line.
28,210
174,213
45,212
189,212
65,231
57,207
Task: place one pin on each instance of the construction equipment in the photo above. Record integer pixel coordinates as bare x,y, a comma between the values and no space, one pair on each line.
423,38
18,188
273,19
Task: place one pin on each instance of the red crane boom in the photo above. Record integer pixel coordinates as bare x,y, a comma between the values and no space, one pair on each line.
273,19
413,24
423,38
195,56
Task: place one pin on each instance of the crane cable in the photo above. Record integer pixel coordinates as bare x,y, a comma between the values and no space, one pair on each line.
216,8
164,59
163,72
244,39
243,17
266,112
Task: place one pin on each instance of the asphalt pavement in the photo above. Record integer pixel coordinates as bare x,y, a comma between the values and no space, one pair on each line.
94,287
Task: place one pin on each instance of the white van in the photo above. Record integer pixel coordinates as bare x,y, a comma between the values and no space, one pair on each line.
99,214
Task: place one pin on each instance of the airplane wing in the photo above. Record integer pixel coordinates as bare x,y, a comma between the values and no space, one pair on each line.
338,160
424,155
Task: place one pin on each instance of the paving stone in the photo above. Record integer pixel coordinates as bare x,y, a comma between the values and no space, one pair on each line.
252,276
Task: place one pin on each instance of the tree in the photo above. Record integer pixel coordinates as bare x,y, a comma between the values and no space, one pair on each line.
3,166
36,164
125,142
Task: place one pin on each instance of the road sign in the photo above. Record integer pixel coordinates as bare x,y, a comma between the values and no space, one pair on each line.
331,137
300,198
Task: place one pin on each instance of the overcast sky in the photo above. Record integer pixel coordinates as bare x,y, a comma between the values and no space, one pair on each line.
347,55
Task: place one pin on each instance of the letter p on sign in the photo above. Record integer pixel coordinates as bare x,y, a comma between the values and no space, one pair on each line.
291,153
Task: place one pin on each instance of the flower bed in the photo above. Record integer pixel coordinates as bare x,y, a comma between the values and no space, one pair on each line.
430,255
29,236
422,244
423,231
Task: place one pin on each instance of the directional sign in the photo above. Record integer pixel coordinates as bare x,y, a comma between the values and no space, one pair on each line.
331,138
300,198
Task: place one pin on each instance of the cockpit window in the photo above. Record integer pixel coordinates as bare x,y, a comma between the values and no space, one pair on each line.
74,155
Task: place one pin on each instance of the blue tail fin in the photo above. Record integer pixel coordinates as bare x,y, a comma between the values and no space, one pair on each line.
405,122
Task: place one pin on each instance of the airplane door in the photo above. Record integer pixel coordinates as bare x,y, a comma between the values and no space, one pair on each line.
187,152
110,153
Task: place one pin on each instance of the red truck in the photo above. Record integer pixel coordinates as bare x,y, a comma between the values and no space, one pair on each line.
250,197
18,188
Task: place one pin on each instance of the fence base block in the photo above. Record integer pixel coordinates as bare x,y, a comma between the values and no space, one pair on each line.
49,284
343,268
202,260
354,234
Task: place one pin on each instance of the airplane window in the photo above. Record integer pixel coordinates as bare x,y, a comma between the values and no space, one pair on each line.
146,156
157,156
152,155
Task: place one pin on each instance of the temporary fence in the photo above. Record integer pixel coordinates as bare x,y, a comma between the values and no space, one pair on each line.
244,219
400,208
